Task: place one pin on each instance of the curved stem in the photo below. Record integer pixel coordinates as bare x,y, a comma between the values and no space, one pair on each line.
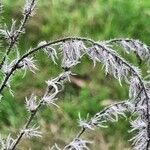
67,39
2,86
133,71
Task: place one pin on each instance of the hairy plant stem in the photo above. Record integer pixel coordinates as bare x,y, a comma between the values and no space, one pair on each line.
15,38
15,67
132,70
83,129
81,132
32,115
26,125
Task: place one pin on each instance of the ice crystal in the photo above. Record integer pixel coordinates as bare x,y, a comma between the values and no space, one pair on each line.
31,103
50,51
78,144
71,53
6,144
28,64
32,132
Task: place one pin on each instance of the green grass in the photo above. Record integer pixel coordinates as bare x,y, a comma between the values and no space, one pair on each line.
96,19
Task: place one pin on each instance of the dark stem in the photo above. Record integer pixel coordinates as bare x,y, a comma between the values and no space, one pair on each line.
81,132
63,40
32,115
26,125
15,67
16,37
133,72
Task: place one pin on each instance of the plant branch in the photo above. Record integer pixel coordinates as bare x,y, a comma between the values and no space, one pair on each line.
60,79
15,37
15,67
67,39
132,70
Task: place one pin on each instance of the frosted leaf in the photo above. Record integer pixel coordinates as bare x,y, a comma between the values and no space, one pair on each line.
49,50
134,87
131,45
9,34
31,103
6,144
139,141
50,97
112,62
49,100
7,67
28,63
138,124
32,132
62,78
84,123
71,53
78,144
94,54
29,7
110,113
52,84
54,87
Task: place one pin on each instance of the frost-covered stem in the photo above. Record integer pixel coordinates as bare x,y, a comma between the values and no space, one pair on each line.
83,130
63,40
15,37
141,50
98,118
15,67
60,79
67,39
32,115
113,41
120,40
147,112
148,127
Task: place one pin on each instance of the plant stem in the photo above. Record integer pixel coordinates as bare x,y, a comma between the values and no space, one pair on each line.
32,115
16,37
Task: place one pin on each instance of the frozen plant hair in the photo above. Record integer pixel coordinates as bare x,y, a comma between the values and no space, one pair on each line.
72,49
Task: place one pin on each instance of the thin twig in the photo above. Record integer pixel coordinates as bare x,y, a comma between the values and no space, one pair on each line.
32,115
17,35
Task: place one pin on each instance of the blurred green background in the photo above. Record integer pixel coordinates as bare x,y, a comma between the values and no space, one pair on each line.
90,89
